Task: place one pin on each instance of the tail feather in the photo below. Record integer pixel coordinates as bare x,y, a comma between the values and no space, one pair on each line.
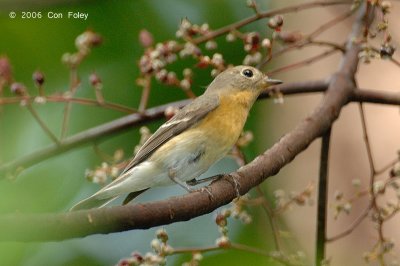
92,202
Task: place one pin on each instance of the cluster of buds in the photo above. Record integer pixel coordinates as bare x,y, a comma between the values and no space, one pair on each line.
87,40
284,201
252,44
102,173
195,261
238,211
367,54
222,222
276,22
187,30
386,49
380,249
158,57
84,43
161,250
341,204
217,62
106,171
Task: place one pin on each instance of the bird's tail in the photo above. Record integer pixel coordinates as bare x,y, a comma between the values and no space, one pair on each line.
93,201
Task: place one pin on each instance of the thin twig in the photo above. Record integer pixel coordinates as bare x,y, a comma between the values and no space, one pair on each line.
330,24
145,93
322,210
271,218
42,124
284,10
353,226
59,98
302,62
74,83
387,166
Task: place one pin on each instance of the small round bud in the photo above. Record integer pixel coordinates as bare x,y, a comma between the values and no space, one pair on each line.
223,242
347,207
38,78
220,220
185,84
386,6
250,3
197,256
378,187
146,38
386,51
290,36
275,22
205,27
266,43
94,79
187,73
338,195
204,61
162,235
5,70
230,37
18,89
170,111
87,40
211,45
155,244
356,182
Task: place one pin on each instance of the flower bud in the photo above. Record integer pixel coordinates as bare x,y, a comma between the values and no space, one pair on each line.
38,78
145,38
275,22
18,89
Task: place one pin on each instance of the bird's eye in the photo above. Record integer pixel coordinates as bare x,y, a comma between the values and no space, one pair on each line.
247,73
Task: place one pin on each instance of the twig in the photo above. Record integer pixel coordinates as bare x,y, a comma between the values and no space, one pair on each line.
271,218
322,199
74,83
367,142
353,226
83,101
145,93
302,62
294,8
387,166
329,24
42,124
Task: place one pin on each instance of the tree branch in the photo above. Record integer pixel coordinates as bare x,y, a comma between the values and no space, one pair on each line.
140,216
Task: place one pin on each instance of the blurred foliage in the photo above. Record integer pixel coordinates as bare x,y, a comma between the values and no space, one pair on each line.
55,184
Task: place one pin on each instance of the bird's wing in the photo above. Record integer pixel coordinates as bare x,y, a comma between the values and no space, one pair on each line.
182,120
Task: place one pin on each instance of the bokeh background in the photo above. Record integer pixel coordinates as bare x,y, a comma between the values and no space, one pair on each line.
56,184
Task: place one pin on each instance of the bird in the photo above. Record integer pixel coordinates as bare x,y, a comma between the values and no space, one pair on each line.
195,138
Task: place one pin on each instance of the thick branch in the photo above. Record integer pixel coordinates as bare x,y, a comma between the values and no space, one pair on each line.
121,218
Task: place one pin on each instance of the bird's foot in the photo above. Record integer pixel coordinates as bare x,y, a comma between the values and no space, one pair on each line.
232,178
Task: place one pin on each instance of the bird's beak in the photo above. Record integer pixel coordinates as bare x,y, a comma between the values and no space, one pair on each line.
271,82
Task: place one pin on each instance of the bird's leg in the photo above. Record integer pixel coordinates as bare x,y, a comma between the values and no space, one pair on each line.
195,182
172,176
